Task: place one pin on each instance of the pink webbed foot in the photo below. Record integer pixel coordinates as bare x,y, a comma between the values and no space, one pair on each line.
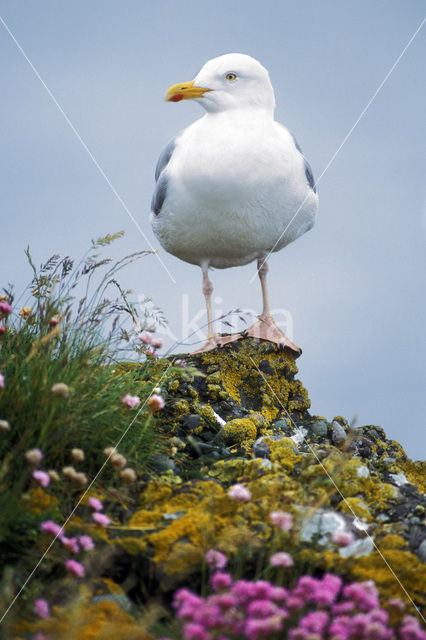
217,341
266,329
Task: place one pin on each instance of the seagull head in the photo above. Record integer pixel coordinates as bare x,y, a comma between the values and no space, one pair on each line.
232,81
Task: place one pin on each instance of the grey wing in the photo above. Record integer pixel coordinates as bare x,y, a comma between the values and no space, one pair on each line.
164,158
308,171
160,191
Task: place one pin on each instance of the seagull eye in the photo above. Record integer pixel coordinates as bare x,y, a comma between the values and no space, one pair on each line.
231,76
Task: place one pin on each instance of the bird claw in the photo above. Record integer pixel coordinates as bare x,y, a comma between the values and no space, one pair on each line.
217,341
266,329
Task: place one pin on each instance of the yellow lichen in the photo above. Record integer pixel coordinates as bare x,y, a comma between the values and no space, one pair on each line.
239,430
284,453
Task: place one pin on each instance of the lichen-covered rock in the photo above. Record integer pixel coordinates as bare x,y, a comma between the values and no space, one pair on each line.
238,415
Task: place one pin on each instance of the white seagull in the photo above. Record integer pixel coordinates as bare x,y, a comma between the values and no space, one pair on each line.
234,186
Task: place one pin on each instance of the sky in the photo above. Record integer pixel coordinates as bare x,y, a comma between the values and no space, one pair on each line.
352,289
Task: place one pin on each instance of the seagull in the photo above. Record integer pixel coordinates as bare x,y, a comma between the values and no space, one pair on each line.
234,186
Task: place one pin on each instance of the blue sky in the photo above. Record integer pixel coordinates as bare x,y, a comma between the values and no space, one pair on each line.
354,285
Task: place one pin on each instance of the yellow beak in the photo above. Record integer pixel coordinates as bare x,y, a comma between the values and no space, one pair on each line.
184,91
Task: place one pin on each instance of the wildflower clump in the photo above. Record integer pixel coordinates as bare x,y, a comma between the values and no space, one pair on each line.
314,609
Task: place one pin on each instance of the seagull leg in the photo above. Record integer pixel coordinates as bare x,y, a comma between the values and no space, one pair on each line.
208,290
213,339
265,328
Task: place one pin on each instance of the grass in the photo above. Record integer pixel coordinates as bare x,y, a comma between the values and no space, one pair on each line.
76,340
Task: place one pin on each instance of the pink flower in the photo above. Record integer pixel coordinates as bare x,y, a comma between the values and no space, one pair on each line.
328,589
76,568
86,543
130,401
48,526
5,309
156,403
216,559
239,492
54,320
101,518
195,631
145,337
71,544
157,343
61,389
1,381
151,353
397,603
42,477
220,581
282,519
95,504
261,609
41,608
34,456
181,363
281,559
314,621
2,329
342,538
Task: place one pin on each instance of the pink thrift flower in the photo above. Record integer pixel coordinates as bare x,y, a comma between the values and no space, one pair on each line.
156,403
54,320
195,631
181,363
34,456
145,337
86,543
151,353
5,309
239,492
397,603
220,581
48,526
342,538
41,608
216,559
76,568
101,518
262,628
61,389
95,504
315,621
1,381
282,519
281,559
2,329
71,544
328,589
130,401
42,477
261,609
157,343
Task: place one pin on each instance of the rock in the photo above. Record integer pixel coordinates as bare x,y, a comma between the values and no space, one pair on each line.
120,599
282,426
422,551
338,433
320,428
358,548
262,446
322,525
191,422
363,471
399,479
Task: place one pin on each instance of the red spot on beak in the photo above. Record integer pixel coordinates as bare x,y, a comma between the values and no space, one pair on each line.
177,97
